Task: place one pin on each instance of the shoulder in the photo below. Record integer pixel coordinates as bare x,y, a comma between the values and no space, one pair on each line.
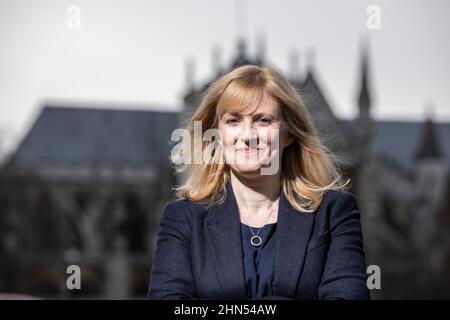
182,208
183,205
336,197
339,207
177,219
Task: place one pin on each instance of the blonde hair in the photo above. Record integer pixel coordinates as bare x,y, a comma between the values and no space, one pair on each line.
308,168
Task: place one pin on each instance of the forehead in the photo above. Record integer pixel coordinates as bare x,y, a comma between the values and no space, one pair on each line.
258,103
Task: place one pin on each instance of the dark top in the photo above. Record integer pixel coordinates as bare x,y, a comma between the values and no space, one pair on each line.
259,262
318,256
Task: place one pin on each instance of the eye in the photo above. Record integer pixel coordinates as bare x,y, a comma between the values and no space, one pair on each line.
265,121
232,121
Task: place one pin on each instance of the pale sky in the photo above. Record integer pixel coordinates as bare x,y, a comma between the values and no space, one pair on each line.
132,53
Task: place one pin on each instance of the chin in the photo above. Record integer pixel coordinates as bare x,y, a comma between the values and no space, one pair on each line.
249,170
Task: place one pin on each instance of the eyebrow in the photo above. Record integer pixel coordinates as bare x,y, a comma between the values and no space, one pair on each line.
259,114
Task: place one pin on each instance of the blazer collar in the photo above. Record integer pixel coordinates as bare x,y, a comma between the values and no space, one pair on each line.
293,231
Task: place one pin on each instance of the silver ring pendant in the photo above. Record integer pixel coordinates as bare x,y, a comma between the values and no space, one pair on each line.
256,241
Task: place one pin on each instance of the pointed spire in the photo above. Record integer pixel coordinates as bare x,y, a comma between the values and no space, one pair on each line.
310,59
189,73
365,124
364,97
241,18
429,147
216,58
241,57
261,48
294,63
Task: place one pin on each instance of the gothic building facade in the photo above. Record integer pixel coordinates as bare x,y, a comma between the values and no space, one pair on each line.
87,186
399,173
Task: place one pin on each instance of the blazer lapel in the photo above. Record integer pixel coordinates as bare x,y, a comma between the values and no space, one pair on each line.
293,232
225,233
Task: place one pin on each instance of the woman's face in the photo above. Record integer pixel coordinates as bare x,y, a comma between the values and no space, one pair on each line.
251,140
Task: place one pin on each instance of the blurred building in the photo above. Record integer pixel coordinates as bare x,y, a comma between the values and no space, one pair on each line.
87,186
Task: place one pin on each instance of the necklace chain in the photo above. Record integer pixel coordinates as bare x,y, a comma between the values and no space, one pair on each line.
256,239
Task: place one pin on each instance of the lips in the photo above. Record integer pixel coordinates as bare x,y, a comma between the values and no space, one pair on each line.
249,150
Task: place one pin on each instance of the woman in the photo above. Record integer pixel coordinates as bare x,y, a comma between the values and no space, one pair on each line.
266,215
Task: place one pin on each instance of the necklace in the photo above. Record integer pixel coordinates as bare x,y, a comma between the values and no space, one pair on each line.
256,239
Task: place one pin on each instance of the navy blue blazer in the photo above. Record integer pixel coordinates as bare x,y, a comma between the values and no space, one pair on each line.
318,255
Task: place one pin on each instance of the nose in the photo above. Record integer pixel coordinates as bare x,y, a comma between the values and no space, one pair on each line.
249,134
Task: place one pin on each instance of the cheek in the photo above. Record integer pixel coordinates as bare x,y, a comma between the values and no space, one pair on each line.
282,136
269,137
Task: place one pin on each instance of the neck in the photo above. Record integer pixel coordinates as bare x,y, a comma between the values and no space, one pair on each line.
256,195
